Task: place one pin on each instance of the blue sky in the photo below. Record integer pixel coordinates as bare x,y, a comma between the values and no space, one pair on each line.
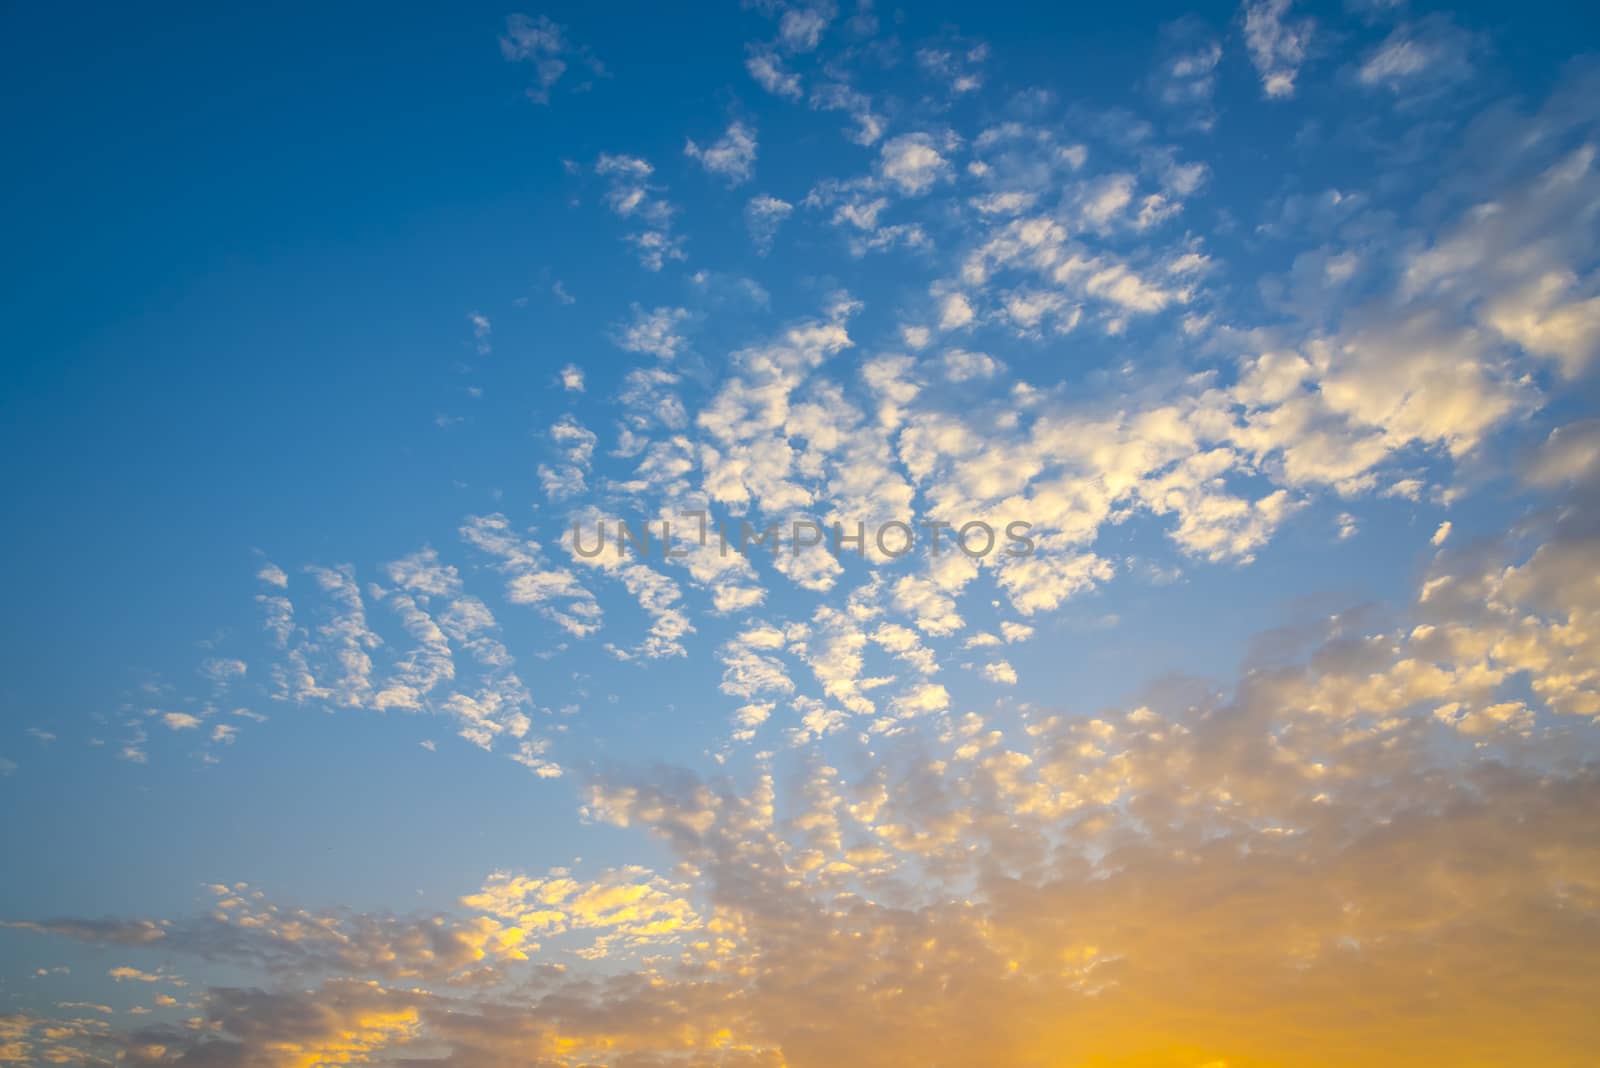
1278,322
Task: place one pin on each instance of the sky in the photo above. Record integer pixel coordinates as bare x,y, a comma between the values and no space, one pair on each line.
1260,730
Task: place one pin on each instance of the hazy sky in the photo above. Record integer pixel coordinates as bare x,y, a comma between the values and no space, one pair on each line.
1268,738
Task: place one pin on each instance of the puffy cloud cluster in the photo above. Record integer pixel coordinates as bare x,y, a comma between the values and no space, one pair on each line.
631,195
1381,834
1199,877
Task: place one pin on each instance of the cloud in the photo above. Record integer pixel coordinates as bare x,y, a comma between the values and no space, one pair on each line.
1065,876
1387,807
626,908
609,550
531,580
912,163
538,40
1508,262
958,67
1185,76
1002,672
1277,44
955,311
1570,455
963,366
127,974
768,71
481,331
630,195
1419,57
344,663
840,96
732,157
222,670
653,331
575,444
800,28
763,215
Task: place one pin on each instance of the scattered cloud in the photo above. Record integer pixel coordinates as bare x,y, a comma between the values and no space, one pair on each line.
545,44
732,157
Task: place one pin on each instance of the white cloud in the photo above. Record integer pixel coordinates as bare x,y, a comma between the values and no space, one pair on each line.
1186,76
957,67
732,157
530,579
630,195
838,96
955,311
545,44
1042,581
800,29
1419,57
963,366
654,331
762,216
481,329
1002,672
1015,632
921,700
912,163
1277,44
1104,198
767,69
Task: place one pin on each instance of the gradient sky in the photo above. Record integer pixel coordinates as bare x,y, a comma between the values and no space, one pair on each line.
322,746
